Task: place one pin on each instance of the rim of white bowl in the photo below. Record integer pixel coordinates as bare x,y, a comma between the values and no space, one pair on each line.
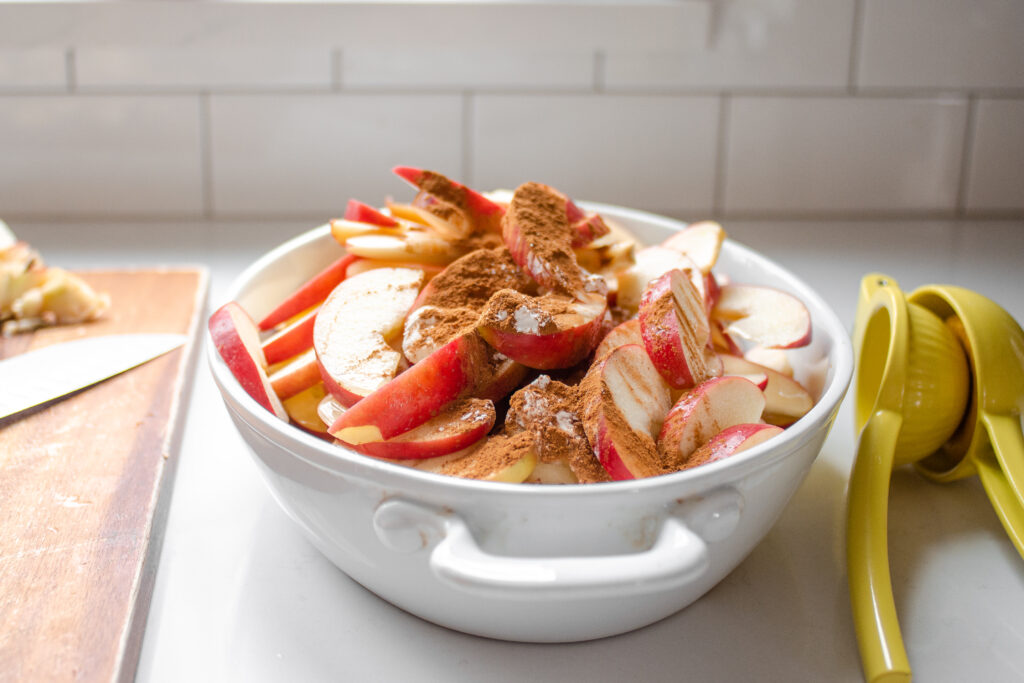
347,462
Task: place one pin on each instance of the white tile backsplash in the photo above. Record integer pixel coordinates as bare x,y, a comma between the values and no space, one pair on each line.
995,179
842,154
308,155
69,155
34,68
650,151
842,109
942,44
206,66
752,44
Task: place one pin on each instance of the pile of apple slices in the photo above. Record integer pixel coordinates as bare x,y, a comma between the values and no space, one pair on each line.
636,361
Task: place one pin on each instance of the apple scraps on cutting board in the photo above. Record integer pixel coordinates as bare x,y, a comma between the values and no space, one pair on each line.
84,489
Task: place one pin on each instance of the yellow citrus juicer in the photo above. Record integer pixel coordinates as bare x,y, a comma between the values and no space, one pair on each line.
914,403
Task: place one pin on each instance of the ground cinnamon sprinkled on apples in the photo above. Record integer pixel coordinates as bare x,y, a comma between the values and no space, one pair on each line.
443,189
468,282
428,328
511,311
498,453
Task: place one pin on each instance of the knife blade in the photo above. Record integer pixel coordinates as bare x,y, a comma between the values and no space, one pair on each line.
36,377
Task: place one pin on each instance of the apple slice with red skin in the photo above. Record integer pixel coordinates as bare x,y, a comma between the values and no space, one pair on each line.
702,412
414,246
364,213
675,331
343,230
775,359
421,392
627,332
786,400
291,340
312,292
483,214
500,458
624,401
766,316
702,242
295,375
355,326
522,328
649,264
458,426
237,340
732,440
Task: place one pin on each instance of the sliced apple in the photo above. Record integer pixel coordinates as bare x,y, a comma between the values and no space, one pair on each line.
483,213
415,246
624,401
775,359
361,265
624,333
471,280
539,238
765,316
421,392
291,340
702,412
237,340
674,329
501,458
295,375
343,229
302,408
364,213
7,237
458,426
503,377
329,409
786,400
545,332
650,263
312,292
428,328
721,340
730,441
702,242
355,326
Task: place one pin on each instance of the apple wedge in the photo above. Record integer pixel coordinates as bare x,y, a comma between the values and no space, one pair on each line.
355,326
364,213
237,340
624,401
624,333
458,426
314,291
649,264
675,331
428,328
501,458
291,340
302,409
732,440
414,246
544,332
470,280
483,214
775,359
786,400
295,375
702,242
361,265
343,229
765,316
702,412
418,394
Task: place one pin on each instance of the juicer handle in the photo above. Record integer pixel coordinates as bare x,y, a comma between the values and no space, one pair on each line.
678,556
867,553
1001,470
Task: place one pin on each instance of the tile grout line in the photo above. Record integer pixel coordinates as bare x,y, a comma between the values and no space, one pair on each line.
337,55
856,36
70,73
205,156
600,67
721,152
966,150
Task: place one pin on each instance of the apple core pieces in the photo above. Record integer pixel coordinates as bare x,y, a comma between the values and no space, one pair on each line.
766,316
704,411
624,400
650,264
458,426
355,326
419,393
786,400
309,294
674,329
364,213
702,242
544,332
732,440
237,340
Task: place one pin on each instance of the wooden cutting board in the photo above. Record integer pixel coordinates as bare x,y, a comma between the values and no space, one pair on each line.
84,490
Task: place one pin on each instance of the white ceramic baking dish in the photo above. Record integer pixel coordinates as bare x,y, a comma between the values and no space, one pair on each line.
536,563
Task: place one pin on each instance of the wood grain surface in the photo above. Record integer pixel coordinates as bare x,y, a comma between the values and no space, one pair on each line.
84,488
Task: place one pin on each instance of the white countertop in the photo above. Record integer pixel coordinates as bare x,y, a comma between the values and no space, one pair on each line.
242,596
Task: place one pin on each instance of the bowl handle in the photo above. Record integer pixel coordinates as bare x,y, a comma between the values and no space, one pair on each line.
678,556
